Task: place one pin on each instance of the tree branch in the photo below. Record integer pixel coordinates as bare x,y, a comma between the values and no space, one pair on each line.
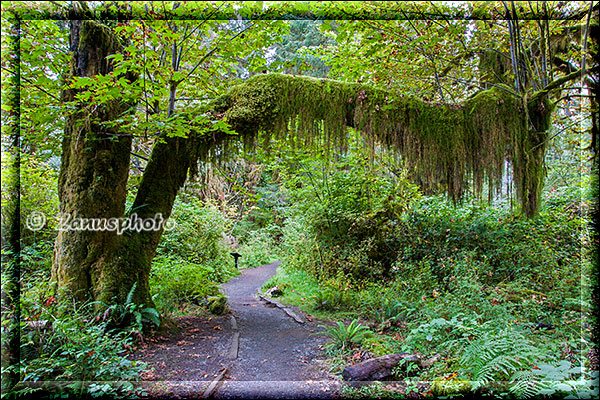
569,77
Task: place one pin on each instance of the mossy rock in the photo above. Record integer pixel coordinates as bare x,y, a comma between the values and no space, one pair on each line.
217,305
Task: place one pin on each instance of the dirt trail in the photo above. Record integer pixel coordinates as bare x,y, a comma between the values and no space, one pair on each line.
277,357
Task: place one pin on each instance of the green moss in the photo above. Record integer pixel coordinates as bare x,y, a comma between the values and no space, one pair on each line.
93,34
494,66
217,304
445,146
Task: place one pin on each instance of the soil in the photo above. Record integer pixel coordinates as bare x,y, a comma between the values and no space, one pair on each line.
278,358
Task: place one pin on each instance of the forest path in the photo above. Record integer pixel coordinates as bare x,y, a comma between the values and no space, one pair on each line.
277,357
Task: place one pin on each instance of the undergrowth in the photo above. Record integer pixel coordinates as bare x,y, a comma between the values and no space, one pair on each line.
504,301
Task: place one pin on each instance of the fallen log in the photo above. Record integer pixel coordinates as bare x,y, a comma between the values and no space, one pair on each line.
381,367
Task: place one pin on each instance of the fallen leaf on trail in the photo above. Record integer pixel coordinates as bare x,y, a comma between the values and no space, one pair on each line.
195,330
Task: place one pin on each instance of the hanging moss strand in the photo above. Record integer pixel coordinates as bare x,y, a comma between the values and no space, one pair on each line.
448,146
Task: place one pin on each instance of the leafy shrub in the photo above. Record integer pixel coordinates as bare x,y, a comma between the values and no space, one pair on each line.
348,217
193,258
328,299
174,282
542,252
35,173
259,247
75,348
217,304
197,236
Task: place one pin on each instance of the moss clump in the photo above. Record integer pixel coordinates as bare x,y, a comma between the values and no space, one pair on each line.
445,145
217,304
494,66
449,387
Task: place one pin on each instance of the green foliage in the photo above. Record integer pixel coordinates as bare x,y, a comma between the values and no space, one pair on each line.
497,356
563,378
344,337
192,259
328,299
343,216
259,247
61,344
197,236
217,304
470,283
293,52
376,390
35,173
130,315
175,282
506,248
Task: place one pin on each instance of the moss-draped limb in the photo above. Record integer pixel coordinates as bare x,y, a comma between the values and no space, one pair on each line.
445,145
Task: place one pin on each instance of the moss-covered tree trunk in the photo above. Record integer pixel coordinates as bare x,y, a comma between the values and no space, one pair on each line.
103,265
94,169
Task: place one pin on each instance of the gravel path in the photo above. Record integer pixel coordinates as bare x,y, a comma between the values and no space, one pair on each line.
277,357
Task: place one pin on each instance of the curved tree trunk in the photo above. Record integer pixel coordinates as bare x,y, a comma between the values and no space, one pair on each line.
103,265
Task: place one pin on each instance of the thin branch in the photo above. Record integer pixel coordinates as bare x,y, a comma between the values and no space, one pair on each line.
585,37
139,156
437,80
210,53
34,85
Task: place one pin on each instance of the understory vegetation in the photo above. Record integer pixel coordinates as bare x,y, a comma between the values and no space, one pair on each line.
503,302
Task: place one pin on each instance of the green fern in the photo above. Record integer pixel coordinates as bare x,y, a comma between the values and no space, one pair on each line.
344,336
524,384
499,356
129,314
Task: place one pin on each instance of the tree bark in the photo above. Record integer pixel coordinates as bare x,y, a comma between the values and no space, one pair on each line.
94,172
